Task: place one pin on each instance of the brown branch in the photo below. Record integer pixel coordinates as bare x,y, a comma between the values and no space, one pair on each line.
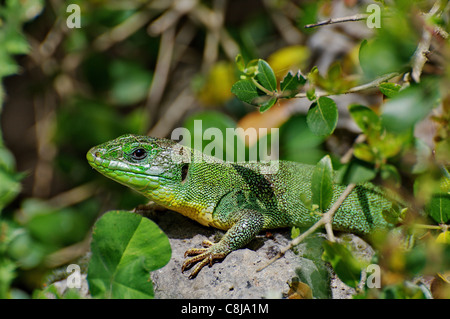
356,17
420,55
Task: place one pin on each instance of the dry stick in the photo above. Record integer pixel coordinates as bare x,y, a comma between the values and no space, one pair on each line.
73,196
207,17
122,31
68,253
325,220
162,69
174,12
290,34
212,40
356,17
419,57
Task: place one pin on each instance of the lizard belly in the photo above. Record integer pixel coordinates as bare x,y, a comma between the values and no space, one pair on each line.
201,214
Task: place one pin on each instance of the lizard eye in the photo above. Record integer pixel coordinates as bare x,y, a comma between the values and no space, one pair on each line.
139,154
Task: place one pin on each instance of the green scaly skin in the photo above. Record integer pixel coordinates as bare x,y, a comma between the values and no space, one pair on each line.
235,197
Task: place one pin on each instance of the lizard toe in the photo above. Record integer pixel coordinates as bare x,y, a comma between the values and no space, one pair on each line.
202,255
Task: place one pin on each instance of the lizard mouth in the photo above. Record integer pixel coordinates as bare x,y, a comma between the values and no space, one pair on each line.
122,172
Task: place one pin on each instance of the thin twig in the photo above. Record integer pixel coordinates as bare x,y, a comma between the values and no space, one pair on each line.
348,155
73,196
419,58
171,16
326,220
212,40
358,88
356,17
122,31
162,69
287,30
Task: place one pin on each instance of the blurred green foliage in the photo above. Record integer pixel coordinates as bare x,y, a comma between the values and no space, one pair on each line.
149,67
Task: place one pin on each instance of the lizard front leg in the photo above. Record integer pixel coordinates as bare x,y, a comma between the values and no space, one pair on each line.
246,227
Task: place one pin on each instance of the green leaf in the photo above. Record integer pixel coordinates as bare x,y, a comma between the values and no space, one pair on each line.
392,216
334,73
390,50
322,116
402,290
266,76
51,292
311,94
125,248
347,267
16,43
439,208
389,173
246,91
356,172
364,152
389,89
409,106
322,183
313,270
240,62
10,186
298,143
366,119
291,84
268,104
415,260
295,232
55,227
251,69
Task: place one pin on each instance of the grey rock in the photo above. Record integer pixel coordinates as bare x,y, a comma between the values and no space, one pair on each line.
235,277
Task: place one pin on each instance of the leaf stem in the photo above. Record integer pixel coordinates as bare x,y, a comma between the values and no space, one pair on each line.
443,227
262,88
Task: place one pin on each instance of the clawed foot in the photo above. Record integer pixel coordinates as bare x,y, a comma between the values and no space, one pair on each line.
204,255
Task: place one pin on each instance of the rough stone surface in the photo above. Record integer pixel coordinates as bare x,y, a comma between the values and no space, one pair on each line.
235,277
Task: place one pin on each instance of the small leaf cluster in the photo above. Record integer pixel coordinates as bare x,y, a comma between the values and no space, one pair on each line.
258,84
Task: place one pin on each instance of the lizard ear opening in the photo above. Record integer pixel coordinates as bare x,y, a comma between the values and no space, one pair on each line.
184,171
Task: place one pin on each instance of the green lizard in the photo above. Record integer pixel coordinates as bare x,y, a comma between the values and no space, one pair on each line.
235,197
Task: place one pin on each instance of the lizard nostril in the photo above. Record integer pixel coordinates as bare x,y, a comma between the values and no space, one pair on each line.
97,154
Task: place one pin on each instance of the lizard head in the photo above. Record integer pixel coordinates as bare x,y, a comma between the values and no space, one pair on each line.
143,163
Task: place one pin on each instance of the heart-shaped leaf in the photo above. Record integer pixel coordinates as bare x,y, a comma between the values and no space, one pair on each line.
125,248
